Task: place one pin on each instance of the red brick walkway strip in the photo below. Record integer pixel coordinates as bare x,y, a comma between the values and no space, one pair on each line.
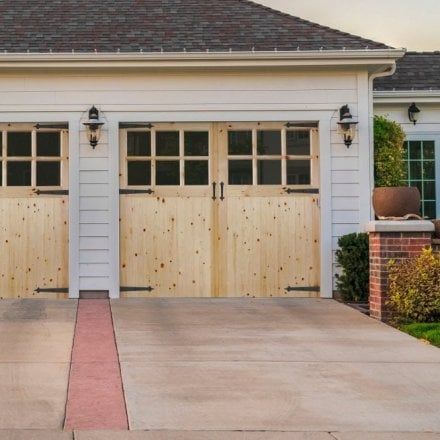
95,397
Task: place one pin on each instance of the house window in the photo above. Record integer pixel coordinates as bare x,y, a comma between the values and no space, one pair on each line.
31,158
420,159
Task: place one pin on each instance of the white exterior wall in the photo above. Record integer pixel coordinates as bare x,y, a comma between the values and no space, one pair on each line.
184,97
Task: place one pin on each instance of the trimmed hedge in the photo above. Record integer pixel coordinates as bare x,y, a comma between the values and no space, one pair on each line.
353,257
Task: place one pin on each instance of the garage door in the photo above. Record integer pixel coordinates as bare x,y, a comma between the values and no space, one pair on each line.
219,210
33,212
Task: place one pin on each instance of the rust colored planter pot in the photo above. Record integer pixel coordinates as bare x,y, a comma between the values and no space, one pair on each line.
396,202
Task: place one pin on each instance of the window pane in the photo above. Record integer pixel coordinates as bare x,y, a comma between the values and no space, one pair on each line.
19,144
48,144
429,190
298,143
48,174
19,173
196,143
138,143
429,170
415,150
168,173
269,142
269,172
167,143
429,209
196,172
428,150
415,170
139,173
239,143
299,172
240,172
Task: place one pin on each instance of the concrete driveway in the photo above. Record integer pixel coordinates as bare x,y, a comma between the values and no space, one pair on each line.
272,365
226,369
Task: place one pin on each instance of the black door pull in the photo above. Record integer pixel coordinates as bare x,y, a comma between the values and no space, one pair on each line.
214,185
222,191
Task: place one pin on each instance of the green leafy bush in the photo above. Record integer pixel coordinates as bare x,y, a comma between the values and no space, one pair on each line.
414,288
353,257
389,163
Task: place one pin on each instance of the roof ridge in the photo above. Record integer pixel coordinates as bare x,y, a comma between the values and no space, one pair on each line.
309,22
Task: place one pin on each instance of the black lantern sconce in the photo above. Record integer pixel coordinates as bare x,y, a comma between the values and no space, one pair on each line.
413,113
94,125
347,125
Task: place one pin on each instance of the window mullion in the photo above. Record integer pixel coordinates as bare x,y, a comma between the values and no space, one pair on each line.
33,158
4,155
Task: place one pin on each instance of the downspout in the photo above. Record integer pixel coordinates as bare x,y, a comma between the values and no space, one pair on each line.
389,72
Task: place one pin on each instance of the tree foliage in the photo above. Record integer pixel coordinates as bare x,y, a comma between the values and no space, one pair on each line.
389,163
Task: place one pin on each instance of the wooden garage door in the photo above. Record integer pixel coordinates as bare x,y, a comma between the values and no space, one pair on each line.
167,214
269,215
33,212
219,210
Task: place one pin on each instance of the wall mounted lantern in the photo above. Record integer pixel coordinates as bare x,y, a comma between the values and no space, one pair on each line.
94,125
347,125
413,113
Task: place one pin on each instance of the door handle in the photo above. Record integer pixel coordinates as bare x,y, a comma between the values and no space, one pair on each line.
214,185
222,191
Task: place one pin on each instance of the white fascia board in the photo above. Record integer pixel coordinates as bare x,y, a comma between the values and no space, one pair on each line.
373,60
406,96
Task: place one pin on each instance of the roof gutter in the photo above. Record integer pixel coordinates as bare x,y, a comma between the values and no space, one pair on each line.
200,59
405,96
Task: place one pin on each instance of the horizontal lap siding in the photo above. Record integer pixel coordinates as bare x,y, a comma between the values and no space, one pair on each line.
233,94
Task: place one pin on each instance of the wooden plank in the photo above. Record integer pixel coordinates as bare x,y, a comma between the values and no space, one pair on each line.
33,233
165,243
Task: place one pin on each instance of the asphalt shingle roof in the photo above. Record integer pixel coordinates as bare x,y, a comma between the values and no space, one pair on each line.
415,71
152,25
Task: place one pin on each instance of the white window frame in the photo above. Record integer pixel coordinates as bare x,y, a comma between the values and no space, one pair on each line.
431,136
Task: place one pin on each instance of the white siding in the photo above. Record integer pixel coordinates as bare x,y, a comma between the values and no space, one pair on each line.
196,96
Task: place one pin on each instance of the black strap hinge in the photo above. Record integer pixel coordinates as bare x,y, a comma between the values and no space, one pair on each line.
59,126
52,290
136,289
52,192
135,191
301,191
303,289
136,125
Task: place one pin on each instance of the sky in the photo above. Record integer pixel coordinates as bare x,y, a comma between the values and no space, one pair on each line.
411,24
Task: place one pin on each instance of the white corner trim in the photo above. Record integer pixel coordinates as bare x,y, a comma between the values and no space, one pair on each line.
326,207
113,146
74,129
400,226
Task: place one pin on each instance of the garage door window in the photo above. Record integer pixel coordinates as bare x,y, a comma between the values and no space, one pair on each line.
270,157
168,158
31,159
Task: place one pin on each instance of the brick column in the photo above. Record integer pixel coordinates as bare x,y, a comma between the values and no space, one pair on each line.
392,240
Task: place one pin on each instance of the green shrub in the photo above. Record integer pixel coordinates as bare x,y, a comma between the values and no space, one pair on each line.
414,288
353,257
389,163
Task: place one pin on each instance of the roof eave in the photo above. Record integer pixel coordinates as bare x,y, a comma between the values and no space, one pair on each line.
406,96
373,58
